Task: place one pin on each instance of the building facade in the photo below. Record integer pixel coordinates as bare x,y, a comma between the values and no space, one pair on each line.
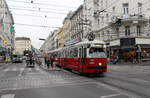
76,29
22,44
124,24
7,32
61,38
51,43
67,28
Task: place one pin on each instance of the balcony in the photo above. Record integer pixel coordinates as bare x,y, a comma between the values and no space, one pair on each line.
132,19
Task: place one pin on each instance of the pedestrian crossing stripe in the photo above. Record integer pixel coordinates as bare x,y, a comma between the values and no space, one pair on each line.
29,69
8,96
14,69
6,69
21,69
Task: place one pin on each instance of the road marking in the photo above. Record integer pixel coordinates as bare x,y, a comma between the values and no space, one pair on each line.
14,69
29,69
6,70
8,96
37,69
112,95
21,71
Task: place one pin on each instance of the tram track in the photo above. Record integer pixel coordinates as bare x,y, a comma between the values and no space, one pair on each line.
124,83
137,81
127,86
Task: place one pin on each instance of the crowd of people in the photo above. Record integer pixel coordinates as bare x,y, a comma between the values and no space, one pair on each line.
50,63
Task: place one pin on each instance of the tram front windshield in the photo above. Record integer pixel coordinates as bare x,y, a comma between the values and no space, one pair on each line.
97,53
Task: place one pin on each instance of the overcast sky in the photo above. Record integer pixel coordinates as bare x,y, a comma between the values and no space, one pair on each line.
41,12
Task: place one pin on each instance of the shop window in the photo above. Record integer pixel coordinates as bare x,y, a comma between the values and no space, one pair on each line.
127,30
138,30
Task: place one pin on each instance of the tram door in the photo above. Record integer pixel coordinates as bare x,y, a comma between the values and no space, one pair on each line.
82,57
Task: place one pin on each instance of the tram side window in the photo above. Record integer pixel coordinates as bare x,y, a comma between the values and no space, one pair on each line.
75,52
63,53
67,53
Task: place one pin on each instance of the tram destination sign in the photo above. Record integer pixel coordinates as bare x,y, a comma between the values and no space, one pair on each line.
96,45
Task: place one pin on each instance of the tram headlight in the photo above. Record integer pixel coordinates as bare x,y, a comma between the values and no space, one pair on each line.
100,64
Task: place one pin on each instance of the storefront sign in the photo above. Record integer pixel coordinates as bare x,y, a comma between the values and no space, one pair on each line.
114,43
127,41
142,41
74,41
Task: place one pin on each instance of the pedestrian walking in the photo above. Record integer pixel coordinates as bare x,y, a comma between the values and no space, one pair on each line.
47,63
45,60
115,59
53,64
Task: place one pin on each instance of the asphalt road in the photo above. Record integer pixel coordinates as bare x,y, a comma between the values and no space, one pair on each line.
18,81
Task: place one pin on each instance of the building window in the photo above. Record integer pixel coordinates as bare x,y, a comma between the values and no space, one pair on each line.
139,8
108,34
107,18
117,31
106,2
138,30
103,34
102,19
101,4
98,21
114,10
126,8
96,2
127,30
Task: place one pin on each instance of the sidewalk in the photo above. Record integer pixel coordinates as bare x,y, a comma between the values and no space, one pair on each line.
128,66
131,64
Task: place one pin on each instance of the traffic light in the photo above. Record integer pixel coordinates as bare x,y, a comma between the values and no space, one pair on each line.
119,22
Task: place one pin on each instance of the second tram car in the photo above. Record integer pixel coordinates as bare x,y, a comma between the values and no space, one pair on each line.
88,57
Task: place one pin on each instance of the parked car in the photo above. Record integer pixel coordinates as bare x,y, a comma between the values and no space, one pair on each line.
17,59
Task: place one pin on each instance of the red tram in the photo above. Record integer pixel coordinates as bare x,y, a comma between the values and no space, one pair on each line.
87,57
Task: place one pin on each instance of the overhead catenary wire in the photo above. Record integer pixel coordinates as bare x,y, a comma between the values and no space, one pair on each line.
45,16
31,25
39,11
54,5
36,8
39,8
38,16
